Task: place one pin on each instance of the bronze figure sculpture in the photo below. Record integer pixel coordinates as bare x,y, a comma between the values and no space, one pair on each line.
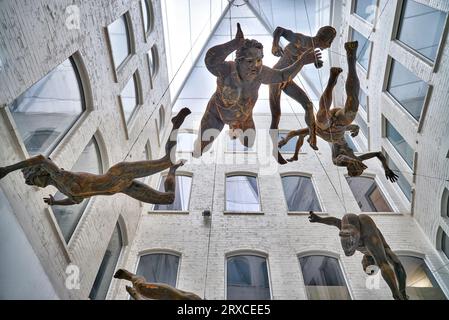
120,178
142,290
331,124
238,83
298,44
359,232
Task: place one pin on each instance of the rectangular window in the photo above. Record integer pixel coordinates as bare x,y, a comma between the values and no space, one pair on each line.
399,144
364,49
300,194
403,184
363,100
128,97
421,28
182,194
407,89
365,9
362,124
242,194
291,144
119,40
368,195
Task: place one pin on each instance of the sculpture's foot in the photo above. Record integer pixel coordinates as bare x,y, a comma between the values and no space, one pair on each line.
335,72
294,158
312,138
279,158
178,164
123,274
180,117
351,48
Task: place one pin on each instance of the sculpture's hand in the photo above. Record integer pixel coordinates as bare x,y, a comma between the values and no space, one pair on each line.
50,200
393,177
354,130
313,217
312,56
277,51
239,35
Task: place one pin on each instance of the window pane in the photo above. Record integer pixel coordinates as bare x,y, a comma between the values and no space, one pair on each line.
147,13
421,28
161,118
104,276
445,244
368,195
366,9
300,194
69,216
47,110
247,278
182,194
402,181
363,100
291,144
350,142
323,278
119,40
185,141
364,49
362,124
242,194
153,61
159,268
407,89
400,144
234,145
129,98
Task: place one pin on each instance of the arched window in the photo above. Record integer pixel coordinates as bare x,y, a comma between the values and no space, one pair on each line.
182,194
420,284
147,15
47,110
445,244
119,40
108,265
445,204
128,98
161,119
323,278
242,193
159,267
368,195
300,194
69,216
247,278
153,61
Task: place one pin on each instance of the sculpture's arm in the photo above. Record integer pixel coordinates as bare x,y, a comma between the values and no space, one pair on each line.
134,294
343,160
389,174
50,166
63,202
269,75
215,56
354,129
331,221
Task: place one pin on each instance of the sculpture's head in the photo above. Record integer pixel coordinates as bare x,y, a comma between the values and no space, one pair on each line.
36,176
350,234
324,37
249,59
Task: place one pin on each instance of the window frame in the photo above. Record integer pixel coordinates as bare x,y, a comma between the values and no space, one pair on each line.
129,124
361,68
384,122
315,189
150,16
354,13
178,173
240,212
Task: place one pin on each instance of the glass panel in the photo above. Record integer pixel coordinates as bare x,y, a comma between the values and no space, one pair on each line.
185,141
363,100
290,146
69,216
323,278
242,194
107,268
147,14
234,145
161,118
365,9
400,144
368,195
47,110
445,244
350,142
407,89
153,60
247,278
364,49
421,28
182,194
119,40
362,124
129,98
402,181
420,284
159,268
300,194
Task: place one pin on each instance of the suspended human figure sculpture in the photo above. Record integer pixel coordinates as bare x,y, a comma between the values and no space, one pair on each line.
360,233
331,124
41,171
142,290
298,44
237,89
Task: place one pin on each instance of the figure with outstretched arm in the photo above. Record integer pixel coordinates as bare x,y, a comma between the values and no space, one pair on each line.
360,233
237,89
41,171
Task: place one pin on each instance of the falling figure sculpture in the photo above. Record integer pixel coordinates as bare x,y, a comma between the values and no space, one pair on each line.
359,232
142,290
237,89
331,124
298,44
41,172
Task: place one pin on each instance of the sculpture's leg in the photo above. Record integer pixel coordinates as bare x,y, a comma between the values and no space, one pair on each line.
295,92
249,134
210,128
301,133
275,107
177,121
352,82
144,193
399,270
326,97
36,160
